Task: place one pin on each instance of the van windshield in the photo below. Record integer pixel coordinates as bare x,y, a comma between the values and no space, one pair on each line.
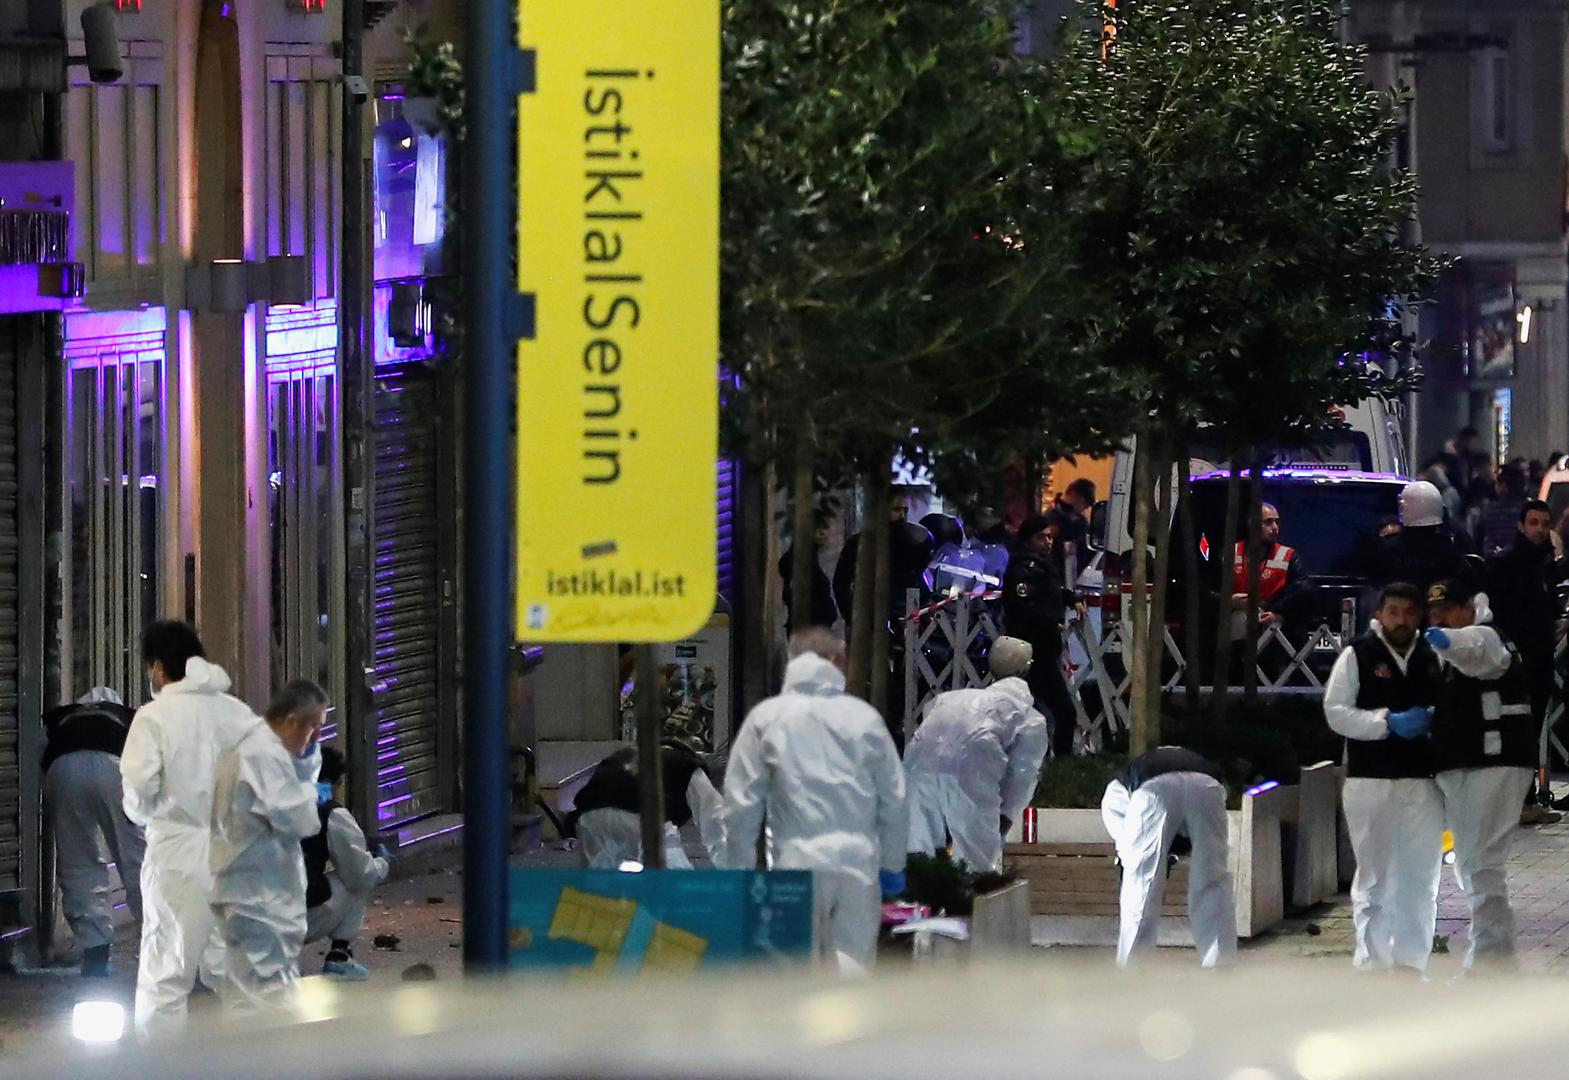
1333,526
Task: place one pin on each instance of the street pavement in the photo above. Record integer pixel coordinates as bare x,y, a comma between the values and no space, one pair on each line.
1538,891
424,914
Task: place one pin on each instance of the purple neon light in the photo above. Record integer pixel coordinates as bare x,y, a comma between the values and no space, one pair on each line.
16,933
1304,473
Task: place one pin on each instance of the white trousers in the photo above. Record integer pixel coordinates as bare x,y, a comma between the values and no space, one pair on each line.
1143,824
180,940
942,809
847,912
1482,810
340,917
1396,831
607,838
261,958
83,800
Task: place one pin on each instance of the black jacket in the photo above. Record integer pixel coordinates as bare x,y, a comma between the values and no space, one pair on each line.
1034,598
70,728
1422,556
824,610
1522,588
614,785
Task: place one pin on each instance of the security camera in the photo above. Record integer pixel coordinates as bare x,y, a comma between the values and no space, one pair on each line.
103,44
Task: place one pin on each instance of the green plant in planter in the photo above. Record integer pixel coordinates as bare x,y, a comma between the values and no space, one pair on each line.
947,886
1077,783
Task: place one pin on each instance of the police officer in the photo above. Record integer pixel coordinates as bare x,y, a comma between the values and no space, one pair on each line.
1425,550
1035,601
1380,697
1484,748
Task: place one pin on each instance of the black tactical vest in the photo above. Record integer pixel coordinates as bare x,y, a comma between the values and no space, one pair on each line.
1485,722
1382,685
318,890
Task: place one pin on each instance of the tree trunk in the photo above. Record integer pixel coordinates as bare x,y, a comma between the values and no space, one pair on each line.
1225,566
1162,527
882,601
1140,727
772,596
752,527
1193,637
861,605
803,552
1255,558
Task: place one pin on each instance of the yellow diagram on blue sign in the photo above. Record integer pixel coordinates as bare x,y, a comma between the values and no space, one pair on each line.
623,934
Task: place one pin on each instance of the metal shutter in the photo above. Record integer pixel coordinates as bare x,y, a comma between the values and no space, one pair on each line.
10,734
405,690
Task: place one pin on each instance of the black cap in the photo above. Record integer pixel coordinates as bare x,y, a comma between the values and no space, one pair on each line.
1448,591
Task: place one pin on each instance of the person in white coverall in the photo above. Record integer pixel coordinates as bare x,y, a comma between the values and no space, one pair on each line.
340,874
605,816
1484,749
1159,796
1380,696
820,766
167,772
975,760
264,804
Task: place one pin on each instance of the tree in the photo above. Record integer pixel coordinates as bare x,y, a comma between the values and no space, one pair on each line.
887,242
1242,236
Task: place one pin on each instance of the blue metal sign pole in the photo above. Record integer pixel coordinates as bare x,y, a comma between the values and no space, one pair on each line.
495,316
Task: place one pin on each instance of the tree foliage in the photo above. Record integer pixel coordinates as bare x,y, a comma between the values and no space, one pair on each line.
1240,232
887,260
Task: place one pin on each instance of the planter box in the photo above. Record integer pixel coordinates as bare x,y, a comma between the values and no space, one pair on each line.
1309,837
1074,880
1000,927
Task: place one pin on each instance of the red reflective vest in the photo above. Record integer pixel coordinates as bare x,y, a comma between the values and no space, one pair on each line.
1272,571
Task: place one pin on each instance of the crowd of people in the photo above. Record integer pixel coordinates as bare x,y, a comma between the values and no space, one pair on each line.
224,828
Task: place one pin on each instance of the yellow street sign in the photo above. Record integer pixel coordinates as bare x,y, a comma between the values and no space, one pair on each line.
618,240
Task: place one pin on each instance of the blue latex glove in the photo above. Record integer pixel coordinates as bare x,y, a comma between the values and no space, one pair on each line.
892,881
382,852
1437,637
323,793
1411,723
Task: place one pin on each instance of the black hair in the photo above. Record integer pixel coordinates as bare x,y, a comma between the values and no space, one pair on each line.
1512,479
1535,504
333,764
1468,432
1084,488
1400,590
171,643
296,697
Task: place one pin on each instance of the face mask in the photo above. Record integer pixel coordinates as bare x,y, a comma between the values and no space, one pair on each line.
310,748
323,793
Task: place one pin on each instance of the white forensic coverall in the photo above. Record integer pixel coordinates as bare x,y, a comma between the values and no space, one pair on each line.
355,873
822,768
1482,806
1143,823
609,837
167,772
1396,828
976,758
264,804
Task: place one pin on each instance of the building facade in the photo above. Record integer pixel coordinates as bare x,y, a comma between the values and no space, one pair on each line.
244,418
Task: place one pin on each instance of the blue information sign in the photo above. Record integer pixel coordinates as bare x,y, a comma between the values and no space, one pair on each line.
658,920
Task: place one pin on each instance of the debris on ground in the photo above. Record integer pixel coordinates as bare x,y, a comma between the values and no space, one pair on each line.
419,973
388,942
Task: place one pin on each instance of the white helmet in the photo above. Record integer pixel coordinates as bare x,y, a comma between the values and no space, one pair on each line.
1421,504
1010,656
